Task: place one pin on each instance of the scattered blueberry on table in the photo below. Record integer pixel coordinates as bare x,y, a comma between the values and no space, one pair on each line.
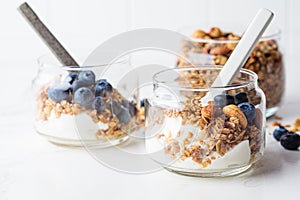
289,140
278,132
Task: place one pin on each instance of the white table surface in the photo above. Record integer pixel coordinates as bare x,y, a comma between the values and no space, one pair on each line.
32,168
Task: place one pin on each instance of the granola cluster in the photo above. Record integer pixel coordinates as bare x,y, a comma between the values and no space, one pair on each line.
295,127
204,79
46,106
224,128
266,59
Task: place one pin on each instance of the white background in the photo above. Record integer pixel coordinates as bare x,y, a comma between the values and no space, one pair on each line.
31,168
81,25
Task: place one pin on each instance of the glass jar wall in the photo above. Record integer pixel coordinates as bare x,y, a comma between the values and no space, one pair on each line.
266,60
192,135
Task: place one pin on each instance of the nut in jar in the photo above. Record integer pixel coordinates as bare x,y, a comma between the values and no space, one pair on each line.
215,46
221,137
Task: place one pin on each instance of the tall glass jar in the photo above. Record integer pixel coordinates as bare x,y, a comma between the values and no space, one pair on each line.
266,60
192,135
80,106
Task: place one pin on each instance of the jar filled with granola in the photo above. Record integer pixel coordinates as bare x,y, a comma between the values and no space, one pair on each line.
215,46
80,106
221,136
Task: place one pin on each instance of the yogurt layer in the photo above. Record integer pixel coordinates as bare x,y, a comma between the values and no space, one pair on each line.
71,127
239,154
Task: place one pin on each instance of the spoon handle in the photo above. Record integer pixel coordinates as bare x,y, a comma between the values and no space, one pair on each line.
56,47
244,48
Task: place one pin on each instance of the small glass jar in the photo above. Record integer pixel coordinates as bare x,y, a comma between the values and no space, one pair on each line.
188,135
80,106
215,46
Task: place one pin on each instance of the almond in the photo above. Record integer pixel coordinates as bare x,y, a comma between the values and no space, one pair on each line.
219,50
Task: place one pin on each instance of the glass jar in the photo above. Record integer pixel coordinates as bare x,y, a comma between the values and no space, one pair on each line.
214,137
215,46
80,106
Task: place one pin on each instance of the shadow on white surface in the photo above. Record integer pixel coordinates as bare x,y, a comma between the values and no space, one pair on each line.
273,161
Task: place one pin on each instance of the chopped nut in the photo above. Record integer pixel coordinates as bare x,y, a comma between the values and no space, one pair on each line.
296,126
206,112
276,123
265,60
198,34
225,130
234,111
220,147
215,32
219,50
172,147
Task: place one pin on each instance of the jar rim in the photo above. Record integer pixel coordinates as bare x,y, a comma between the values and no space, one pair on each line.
50,60
275,33
252,80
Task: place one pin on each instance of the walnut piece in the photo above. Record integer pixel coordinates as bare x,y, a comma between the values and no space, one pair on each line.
234,111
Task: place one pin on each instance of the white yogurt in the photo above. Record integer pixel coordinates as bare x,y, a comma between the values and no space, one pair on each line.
76,127
238,155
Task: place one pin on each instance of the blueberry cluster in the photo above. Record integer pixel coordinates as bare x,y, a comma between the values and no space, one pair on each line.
241,100
289,140
89,93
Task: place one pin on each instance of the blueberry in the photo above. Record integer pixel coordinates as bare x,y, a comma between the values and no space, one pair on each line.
124,116
222,100
83,96
58,94
71,77
240,97
125,103
290,141
78,84
130,106
103,88
99,104
249,110
142,102
132,109
87,77
278,132
116,107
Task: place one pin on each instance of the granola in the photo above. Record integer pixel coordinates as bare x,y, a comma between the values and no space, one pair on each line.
291,128
46,107
224,128
266,59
